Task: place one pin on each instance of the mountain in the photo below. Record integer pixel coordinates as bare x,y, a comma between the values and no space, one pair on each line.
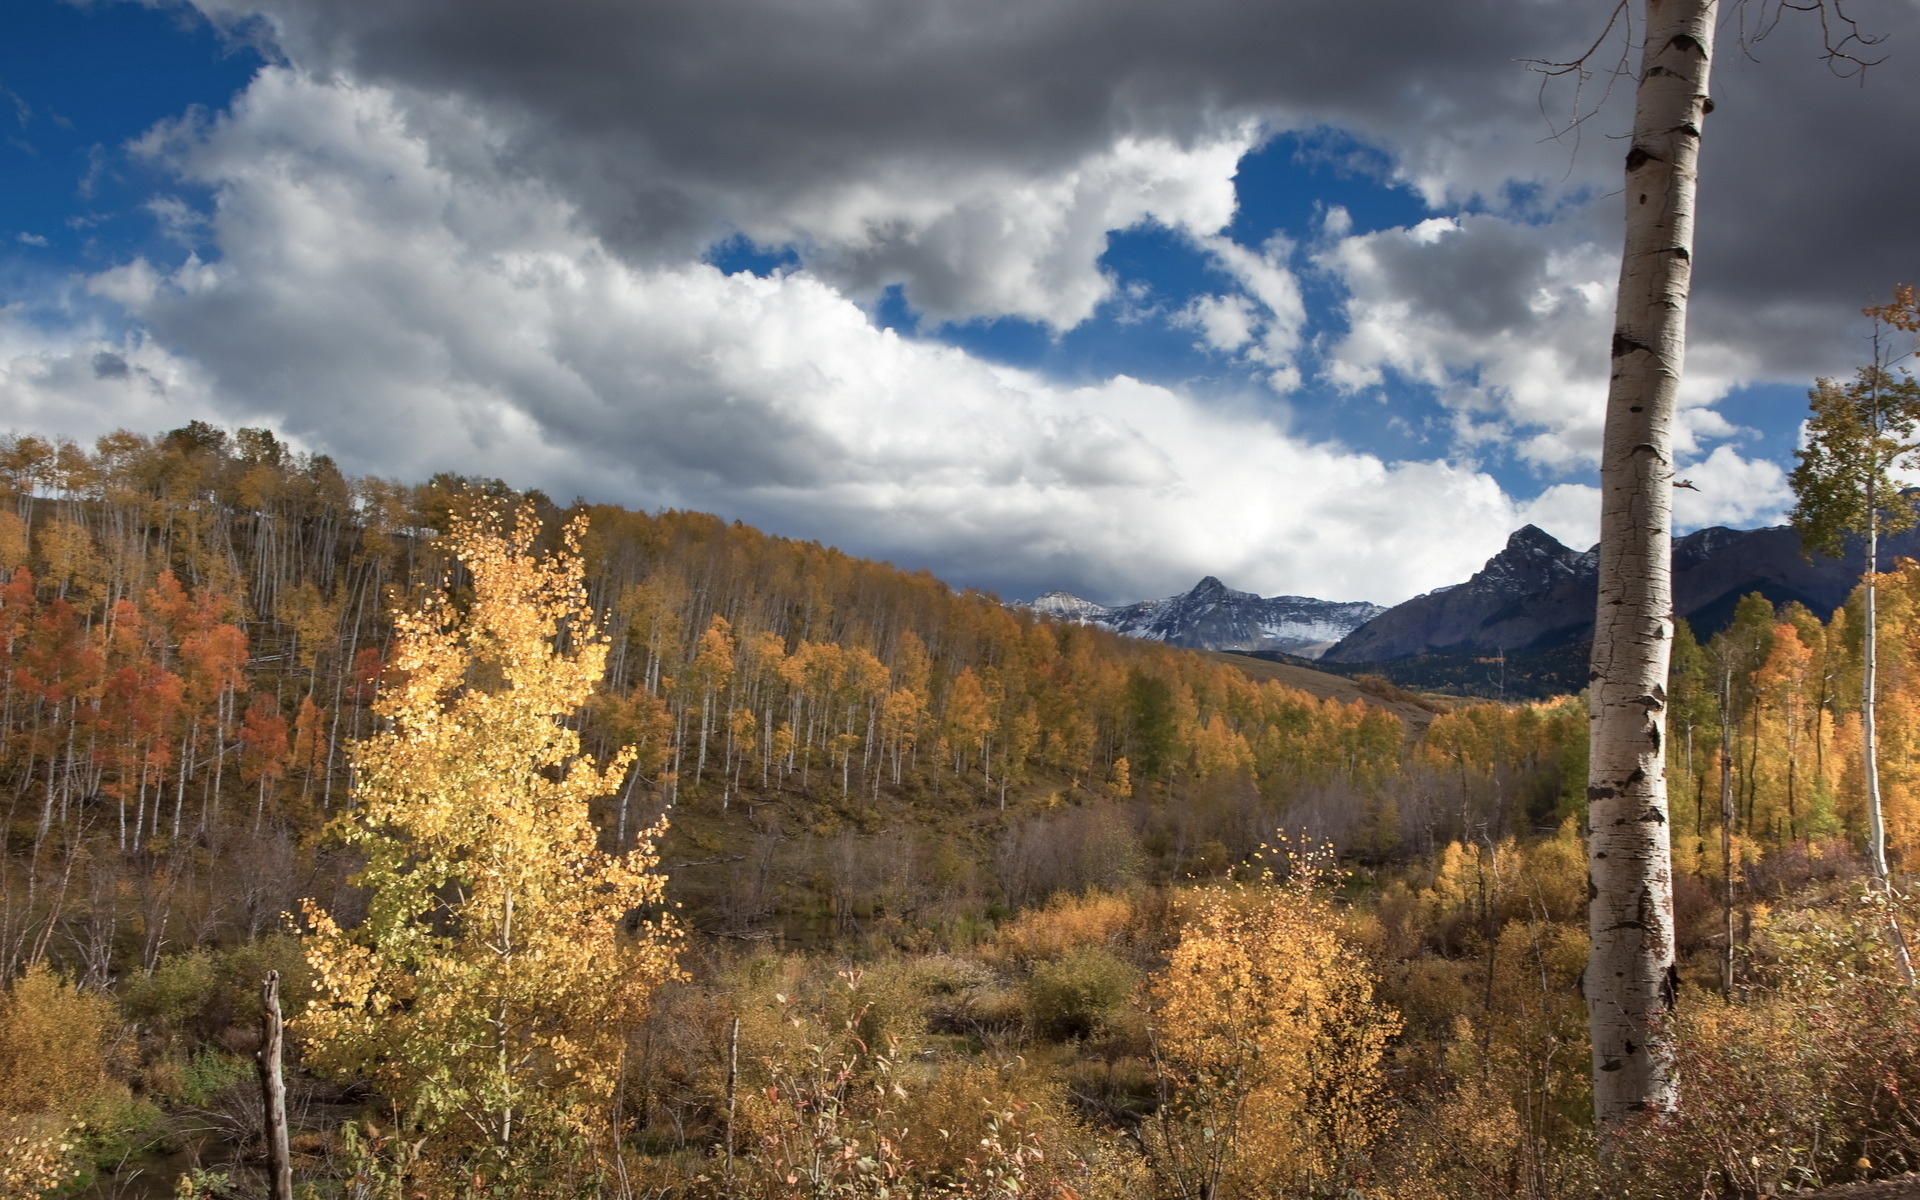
1536,594
1215,617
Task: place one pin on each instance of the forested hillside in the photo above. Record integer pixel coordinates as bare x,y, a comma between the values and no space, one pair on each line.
969,851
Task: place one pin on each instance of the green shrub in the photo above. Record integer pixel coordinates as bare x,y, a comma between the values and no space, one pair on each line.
192,998
1079,994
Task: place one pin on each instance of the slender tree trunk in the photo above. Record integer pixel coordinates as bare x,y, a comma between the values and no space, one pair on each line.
1870,756
733,1081
1726,827
1630,975
273,1091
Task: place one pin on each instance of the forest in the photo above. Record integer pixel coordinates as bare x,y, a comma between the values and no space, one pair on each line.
606,853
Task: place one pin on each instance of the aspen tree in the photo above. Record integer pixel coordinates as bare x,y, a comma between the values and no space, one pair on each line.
1630,977
1859,435
504,955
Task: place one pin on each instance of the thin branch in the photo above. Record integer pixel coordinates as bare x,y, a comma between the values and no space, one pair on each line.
1579,68
1844,46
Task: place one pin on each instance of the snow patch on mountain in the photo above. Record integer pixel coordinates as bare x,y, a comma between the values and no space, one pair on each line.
1214,616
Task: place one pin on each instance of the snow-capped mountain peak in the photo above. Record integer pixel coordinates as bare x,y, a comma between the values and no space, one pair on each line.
1213,616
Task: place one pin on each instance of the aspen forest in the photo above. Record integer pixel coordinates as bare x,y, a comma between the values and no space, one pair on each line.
603,853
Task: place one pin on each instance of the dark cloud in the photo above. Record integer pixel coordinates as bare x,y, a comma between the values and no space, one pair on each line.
848,126
842,125
1806,197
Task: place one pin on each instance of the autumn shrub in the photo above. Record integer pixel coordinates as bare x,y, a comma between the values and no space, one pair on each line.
195,1079
950,975
55,1040
56,1044
947,1117
1079,994
1477,1130
1066,923
781,998
831,1114
191,999
1811,1079
1269,1043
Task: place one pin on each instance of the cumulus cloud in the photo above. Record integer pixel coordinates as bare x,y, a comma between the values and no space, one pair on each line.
80,383
1729,489
1508,322
977,152
466,234
999,243
377,300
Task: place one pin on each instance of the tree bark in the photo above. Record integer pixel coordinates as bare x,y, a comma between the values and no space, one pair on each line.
1726,828
273,1091
1870,749
1630,975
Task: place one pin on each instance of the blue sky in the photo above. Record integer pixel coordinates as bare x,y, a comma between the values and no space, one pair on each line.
1197,300
81,83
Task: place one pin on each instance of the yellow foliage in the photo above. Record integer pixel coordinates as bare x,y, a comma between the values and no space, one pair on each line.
66,550
53,1068
53,1045
1066,923
504,956
13,541
1266,1026
313,621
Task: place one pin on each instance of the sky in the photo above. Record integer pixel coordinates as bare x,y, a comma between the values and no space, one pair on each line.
1096,295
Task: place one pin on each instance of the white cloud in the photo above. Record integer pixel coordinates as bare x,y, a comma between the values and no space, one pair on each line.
1568,511
1264,321
971,243
1225,323
81,383
407,311
1729,489
1509,323
33,239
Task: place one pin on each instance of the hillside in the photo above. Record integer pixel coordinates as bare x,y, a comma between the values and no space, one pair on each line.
994,859
1417,711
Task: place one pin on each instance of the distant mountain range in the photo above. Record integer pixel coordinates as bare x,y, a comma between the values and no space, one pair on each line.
1523,614
1537,594
1215,617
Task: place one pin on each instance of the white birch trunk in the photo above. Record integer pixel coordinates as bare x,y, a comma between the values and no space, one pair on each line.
1870,752
1630,974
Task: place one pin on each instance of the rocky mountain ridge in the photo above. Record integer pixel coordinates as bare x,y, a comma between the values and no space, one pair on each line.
1536,593
1213,616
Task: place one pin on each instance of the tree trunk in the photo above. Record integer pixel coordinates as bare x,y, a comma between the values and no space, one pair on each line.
1630,975
273,1091
1726,827
1870,751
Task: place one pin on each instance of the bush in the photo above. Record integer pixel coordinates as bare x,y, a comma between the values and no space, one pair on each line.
1068,922
1079,994
191,999
1815,1080
55,1046
54,1043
